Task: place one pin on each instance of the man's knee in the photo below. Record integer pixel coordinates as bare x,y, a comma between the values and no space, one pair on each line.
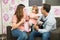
46,35
32,33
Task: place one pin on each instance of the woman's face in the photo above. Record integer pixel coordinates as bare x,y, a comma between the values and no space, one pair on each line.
23,9
24,12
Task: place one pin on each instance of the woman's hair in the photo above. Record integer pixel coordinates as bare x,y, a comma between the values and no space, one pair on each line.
36,8
19,12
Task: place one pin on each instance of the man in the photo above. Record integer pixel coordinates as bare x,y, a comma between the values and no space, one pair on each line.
49,24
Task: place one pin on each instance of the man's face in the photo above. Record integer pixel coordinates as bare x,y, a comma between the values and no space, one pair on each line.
42,10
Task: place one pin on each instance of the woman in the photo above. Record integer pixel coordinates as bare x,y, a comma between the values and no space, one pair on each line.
18,23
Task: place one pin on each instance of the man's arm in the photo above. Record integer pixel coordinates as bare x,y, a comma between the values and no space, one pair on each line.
48,28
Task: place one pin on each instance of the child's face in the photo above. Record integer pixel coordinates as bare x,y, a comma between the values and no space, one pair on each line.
33,10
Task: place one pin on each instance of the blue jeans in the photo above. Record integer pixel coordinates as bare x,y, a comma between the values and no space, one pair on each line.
45,36
19,34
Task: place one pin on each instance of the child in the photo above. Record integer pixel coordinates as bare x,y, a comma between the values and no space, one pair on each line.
33,16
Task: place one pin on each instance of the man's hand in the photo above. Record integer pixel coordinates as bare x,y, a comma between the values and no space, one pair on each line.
36,27
40,22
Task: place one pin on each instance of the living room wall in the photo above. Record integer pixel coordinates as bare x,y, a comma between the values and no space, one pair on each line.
0,19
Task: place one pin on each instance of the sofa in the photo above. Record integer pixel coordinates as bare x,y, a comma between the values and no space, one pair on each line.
55,35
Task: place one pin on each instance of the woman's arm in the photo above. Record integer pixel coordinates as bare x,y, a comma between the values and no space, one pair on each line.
15,24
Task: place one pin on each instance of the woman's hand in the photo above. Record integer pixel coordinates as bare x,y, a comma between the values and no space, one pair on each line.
22,21
16,25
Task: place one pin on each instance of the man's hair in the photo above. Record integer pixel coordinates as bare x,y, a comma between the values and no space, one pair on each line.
47,7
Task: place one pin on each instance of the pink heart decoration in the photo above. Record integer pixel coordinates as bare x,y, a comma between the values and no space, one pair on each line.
6,17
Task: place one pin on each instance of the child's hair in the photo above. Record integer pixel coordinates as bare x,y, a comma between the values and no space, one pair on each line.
36,8
19,12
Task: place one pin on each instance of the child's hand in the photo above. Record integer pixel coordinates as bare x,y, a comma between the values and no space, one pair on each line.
34,17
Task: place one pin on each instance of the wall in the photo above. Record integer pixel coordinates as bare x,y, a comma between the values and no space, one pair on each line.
53,2
0,19
8,9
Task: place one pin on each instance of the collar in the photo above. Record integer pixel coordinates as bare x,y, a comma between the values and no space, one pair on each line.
46,17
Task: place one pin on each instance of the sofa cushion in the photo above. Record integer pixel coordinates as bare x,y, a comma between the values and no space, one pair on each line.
57,22
55,35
